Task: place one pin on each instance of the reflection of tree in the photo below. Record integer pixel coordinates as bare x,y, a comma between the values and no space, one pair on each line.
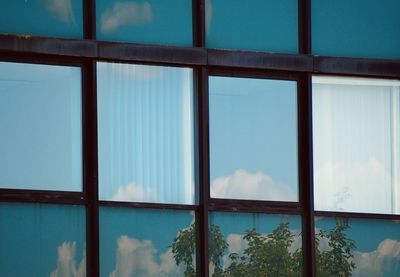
268,254
336,261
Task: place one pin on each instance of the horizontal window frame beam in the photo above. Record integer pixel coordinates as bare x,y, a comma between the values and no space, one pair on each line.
355,215
42,196
33,47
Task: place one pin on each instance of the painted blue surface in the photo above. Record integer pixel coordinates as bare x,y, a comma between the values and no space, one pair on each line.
158,228
368,28
61,18
253,127
41,127
30,235
150,22
260,25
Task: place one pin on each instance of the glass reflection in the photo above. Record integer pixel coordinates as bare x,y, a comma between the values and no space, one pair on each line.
252,25
151,21
356,247
145,116
41,127
355,134
42,240
55,18
353,28
147,242
242,244
253,139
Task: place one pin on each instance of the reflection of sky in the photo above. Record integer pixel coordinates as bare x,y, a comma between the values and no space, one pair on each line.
145,133
40,120
377,242
42,17
367,233
30,235
238,223
151,21
253,127
253,25
350,28
160,227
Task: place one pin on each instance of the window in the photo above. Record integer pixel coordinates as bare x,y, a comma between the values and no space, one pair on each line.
41,123
199,138
145,133
253,142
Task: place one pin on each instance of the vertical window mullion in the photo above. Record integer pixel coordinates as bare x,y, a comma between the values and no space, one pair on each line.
198,20
306,173
201,86
91,167
304,26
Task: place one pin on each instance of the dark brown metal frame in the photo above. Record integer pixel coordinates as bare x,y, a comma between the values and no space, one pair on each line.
205,62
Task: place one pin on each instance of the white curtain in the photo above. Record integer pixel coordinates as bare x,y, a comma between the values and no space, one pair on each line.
145,128
356,151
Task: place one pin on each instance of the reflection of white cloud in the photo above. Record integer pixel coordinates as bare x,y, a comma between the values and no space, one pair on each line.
136,193
380,262
357,187
138,258
209,14
125,14
245,185
66,264
61,10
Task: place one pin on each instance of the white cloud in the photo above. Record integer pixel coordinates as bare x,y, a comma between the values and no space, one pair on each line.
66,263
254,186
362,187
61,10
138,258
136,193
383,261
126,14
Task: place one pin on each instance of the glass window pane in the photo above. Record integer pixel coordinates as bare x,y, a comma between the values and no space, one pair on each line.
367,28
252,25
152,21
243,244
42,240
253,139
41,127
357,247
145,118
59,18
356,153
147,242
